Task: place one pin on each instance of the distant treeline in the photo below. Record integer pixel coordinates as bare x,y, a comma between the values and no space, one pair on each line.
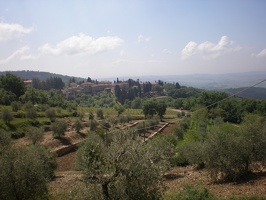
29,75
49,83
254,93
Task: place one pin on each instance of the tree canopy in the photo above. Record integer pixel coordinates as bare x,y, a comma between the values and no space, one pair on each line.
13,84
124,168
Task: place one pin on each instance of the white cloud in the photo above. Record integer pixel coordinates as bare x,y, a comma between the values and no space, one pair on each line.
12,31
167,51
141,38
20,53
82,44
262,53
209,50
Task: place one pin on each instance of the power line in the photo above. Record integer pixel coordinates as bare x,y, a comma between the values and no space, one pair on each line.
232,95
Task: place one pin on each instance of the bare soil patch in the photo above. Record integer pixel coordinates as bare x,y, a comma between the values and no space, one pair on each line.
255,185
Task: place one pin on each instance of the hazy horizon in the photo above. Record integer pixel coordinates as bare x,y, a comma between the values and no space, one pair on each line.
117,38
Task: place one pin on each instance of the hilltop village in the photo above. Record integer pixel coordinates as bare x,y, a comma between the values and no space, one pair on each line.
92,88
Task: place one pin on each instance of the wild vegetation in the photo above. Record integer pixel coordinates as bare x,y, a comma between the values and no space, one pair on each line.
224,136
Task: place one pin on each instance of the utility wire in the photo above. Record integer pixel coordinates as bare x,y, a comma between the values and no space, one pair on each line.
231,95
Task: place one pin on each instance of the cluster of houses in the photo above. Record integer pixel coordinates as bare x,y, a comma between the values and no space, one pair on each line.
92,88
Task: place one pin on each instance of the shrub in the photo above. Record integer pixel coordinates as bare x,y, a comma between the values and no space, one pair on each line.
17,135
78,125
6,116
124,119
15,106
59,127
99,113
151,123
179,132
188,193
31,113
5,140
20,114
25,172
35,134
44,107
50,113
93,125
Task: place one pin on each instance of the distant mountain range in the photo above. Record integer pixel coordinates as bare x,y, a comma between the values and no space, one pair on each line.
213,81
231,83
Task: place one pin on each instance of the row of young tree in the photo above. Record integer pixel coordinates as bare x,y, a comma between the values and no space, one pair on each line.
48,84
228,152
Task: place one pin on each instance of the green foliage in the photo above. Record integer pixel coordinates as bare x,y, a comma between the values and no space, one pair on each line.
5,140
136,103
20,114
93,125
161,109
124,119
149,108
13,84
15,106
25,171
228,152
35,96
119,109
50,113
181,92
91,115
35,135
100,113
100,100
6,97
190,193
208,98
125,168
59,127
6,116
49,83
31,113
179,132
78,125
152,107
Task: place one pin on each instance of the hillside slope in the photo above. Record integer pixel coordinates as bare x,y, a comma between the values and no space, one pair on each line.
254,93
26,75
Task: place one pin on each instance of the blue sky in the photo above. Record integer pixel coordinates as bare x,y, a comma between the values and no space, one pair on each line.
110,38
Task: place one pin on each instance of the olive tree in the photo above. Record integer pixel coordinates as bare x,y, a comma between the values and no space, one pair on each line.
25,172
35,135
78,125
6,116
59,127
230,152
125,168
50,113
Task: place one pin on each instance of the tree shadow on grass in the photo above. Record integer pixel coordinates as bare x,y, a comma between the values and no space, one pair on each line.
171,176
250,177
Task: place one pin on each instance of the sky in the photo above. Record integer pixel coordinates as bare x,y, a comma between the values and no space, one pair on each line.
115,38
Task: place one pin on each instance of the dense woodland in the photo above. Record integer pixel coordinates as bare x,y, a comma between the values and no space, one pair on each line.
226,136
